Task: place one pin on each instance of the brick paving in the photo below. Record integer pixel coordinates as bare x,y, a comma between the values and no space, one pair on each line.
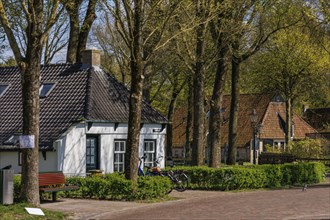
261,204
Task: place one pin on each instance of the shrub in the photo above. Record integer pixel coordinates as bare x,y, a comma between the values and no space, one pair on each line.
309,148
116,187
254,177
17,187
111,186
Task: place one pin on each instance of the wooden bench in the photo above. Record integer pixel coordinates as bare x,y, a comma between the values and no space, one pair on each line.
53,182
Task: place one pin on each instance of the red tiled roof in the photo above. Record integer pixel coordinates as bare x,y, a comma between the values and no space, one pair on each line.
266,110
271,126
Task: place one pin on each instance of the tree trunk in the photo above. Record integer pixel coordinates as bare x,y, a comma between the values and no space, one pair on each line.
187,150
31,109
235,86
198,148
133,140
73,38
215,119
78,35
147,84
288,125
30,78
84,30
169,130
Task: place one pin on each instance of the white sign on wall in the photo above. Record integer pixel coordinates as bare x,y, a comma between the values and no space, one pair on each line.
26,141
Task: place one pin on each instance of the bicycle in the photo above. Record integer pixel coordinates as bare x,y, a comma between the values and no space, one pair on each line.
150,171
179,179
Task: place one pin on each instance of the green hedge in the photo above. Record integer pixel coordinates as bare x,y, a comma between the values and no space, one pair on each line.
116,187
112,186
254,177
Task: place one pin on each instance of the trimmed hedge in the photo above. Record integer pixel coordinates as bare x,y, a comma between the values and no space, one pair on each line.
112,186
116,187
254,177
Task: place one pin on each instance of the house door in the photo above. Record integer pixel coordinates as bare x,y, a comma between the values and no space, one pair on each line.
92,153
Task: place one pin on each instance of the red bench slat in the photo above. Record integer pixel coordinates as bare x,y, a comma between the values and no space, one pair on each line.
48,180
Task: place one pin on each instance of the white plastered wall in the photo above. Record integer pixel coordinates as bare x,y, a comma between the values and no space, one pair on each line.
11,158
71,148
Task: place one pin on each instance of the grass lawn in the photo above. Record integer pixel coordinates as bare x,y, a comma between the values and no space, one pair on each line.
17,211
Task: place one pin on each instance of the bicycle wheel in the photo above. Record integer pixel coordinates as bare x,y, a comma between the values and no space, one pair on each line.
180,181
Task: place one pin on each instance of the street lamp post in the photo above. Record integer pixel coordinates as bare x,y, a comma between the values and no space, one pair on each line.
254,123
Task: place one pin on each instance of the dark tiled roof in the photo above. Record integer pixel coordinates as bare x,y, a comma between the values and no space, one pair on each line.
80,93
109,100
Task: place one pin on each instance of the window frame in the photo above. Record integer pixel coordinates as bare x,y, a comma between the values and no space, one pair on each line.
96,153
20,158
279,144
122,153
147,162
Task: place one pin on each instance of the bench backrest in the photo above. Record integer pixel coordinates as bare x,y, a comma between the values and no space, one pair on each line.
46,179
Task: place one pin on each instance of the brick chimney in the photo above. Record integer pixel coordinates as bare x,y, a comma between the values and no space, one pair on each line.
91,57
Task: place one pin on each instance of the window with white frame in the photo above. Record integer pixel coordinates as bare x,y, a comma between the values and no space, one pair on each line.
119,156
279,144
149,152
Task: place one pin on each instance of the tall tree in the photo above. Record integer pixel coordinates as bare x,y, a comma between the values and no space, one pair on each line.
198,145
53,42
29,66
219,32
131,21
256,21
292,66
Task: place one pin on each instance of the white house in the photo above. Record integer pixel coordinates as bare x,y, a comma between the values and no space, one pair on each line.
83,119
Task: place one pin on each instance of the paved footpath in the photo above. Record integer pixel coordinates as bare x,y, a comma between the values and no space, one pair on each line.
261,204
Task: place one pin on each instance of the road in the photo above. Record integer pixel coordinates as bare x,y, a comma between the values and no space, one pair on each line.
261,204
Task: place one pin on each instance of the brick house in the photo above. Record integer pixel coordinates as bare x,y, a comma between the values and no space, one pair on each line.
271,118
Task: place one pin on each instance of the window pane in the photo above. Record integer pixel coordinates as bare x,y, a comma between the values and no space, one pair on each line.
88,151
92,160
45,88
119,156
3,89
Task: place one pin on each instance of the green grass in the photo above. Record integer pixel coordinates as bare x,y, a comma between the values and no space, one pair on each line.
17,211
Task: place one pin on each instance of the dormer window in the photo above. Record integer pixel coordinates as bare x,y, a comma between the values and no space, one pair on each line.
3,89
45,89
12,140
